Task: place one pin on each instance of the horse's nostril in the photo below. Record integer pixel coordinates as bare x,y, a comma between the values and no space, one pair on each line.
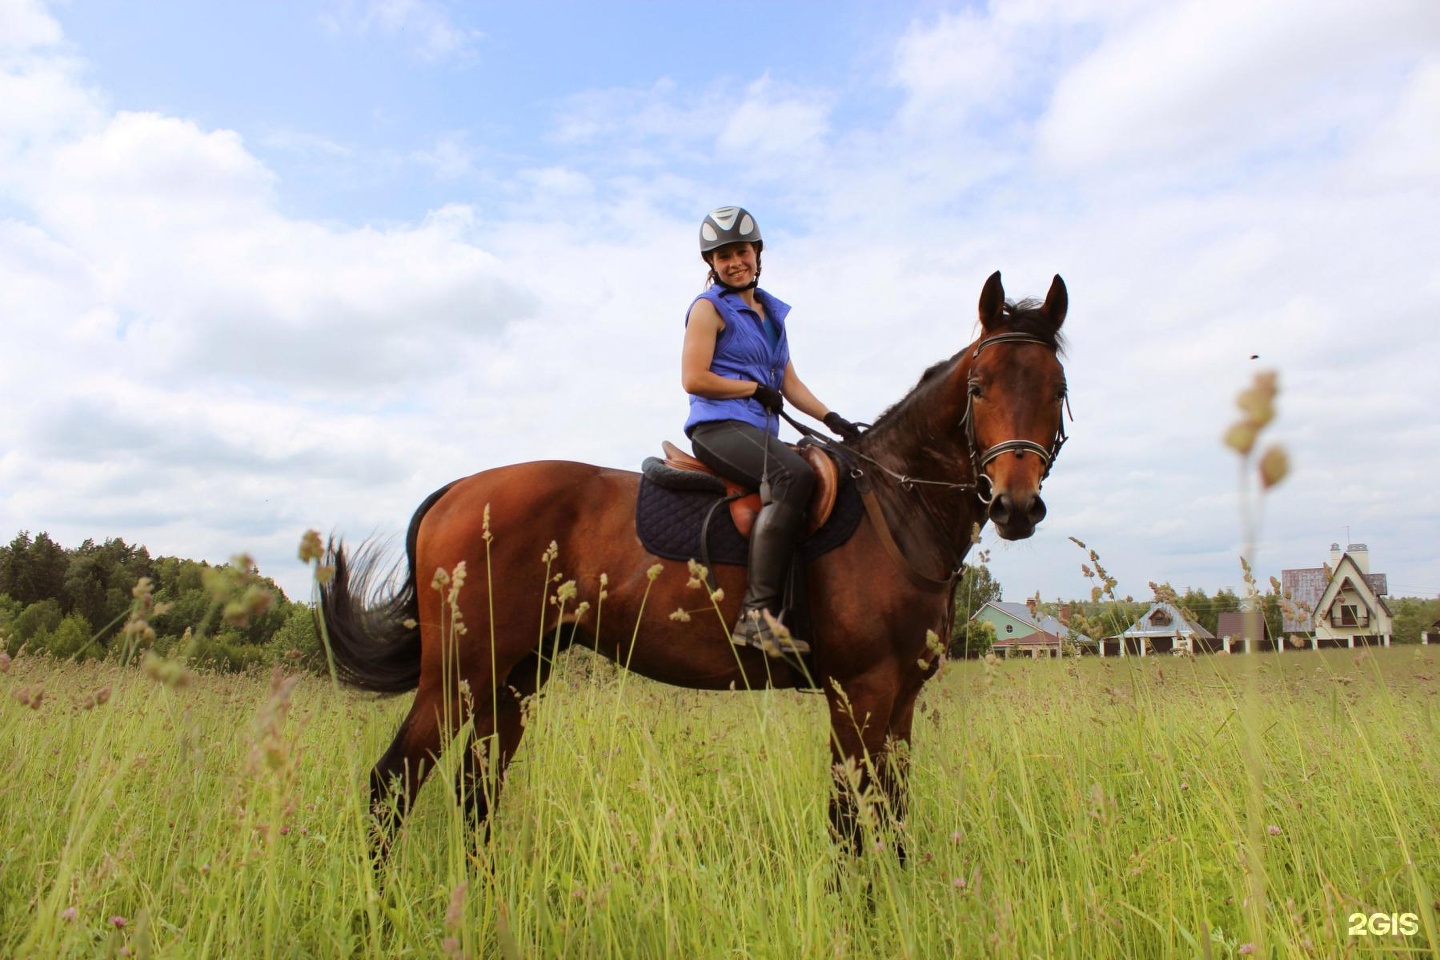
1000,508
1036,513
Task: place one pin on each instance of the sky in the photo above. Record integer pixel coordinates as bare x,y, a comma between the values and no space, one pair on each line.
272,267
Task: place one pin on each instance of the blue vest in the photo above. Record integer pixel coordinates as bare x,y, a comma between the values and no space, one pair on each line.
743,352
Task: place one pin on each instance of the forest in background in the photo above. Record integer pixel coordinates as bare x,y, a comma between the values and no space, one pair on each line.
74,604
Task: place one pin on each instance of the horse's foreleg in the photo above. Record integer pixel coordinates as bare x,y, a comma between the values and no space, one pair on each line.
499,725
893,768
859,723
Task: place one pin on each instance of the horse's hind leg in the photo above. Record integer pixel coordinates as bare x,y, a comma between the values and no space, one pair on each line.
399,773
482,769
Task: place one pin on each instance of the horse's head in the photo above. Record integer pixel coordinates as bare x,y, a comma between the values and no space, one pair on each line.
1014,403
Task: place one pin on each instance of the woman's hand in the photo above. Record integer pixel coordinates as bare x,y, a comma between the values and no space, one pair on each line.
841,427
769,398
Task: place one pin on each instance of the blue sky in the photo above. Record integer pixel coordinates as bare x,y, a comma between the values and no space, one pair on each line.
269,267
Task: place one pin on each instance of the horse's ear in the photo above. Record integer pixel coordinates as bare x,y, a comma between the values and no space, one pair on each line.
1057,302
992,301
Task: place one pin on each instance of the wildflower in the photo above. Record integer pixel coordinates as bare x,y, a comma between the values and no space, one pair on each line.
654,572
311,547
680,615
69,914
1273,830
1246,949
958,883
169,672
119,922
1274,465
698,573
455,912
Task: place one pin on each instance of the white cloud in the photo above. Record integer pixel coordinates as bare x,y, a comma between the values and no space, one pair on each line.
25,24
186,365
425,26
1215,80
772,125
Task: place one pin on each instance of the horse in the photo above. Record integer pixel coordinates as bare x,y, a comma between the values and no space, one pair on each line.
971,443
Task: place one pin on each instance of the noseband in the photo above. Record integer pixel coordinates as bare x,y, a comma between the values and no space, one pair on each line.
979,460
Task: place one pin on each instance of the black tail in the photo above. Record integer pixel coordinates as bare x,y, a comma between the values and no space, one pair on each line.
375,640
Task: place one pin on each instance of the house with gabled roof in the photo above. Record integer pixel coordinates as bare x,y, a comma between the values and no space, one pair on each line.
1021,629
1340,604
1239,633
1160,629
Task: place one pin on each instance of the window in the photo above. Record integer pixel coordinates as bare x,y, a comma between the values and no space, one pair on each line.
1009,628
1160,618
1348,615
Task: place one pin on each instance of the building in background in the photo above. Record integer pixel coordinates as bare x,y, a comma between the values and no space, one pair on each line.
1340,604
1161,629
1239,633
1021,630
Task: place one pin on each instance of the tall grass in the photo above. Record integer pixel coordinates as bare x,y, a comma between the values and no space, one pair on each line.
1059,808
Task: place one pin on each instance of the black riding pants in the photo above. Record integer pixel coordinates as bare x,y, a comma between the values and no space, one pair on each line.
746,454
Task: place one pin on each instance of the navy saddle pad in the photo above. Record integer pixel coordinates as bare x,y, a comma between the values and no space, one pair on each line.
668,520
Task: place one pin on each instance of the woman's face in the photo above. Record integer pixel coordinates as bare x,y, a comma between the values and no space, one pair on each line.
734,263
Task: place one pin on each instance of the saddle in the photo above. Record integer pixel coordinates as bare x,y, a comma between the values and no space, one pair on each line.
746,500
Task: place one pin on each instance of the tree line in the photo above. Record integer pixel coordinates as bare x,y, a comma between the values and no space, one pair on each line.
75,603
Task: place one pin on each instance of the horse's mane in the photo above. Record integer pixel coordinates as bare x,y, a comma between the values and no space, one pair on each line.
1023,316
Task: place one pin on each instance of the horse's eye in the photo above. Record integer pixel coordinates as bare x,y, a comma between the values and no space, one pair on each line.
1061,392
975,390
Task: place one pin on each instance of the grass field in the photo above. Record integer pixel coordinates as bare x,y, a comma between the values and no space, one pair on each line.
1209,807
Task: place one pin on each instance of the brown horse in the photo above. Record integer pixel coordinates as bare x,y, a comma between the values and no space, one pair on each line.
970,443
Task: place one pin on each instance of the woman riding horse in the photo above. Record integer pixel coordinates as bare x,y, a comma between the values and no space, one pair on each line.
737,370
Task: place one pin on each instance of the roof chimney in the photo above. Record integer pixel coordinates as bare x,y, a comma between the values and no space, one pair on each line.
1361,555
1335,554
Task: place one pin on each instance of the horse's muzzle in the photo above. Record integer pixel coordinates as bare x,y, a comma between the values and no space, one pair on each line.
1015,517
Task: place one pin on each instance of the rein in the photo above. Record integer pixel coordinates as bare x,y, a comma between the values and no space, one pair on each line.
978,461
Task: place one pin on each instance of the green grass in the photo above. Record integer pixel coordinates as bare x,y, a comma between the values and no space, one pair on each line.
1169,807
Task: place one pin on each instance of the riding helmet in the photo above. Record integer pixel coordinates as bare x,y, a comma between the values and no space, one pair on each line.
728,225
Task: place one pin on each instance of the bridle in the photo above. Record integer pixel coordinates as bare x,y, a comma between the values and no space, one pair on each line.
980,460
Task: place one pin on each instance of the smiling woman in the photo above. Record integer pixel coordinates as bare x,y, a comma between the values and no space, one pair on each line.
737,370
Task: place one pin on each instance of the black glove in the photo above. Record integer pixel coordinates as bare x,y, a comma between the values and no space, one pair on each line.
769,398
841,427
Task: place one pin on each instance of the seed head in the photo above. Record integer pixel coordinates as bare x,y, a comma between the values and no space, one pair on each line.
311,547
1274,465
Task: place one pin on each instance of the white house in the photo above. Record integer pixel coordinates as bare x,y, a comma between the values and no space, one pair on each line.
1161,629
1344,600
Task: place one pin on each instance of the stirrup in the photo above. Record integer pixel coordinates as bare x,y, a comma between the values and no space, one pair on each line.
763,630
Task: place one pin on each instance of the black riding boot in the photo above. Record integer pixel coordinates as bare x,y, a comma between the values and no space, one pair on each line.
772,544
